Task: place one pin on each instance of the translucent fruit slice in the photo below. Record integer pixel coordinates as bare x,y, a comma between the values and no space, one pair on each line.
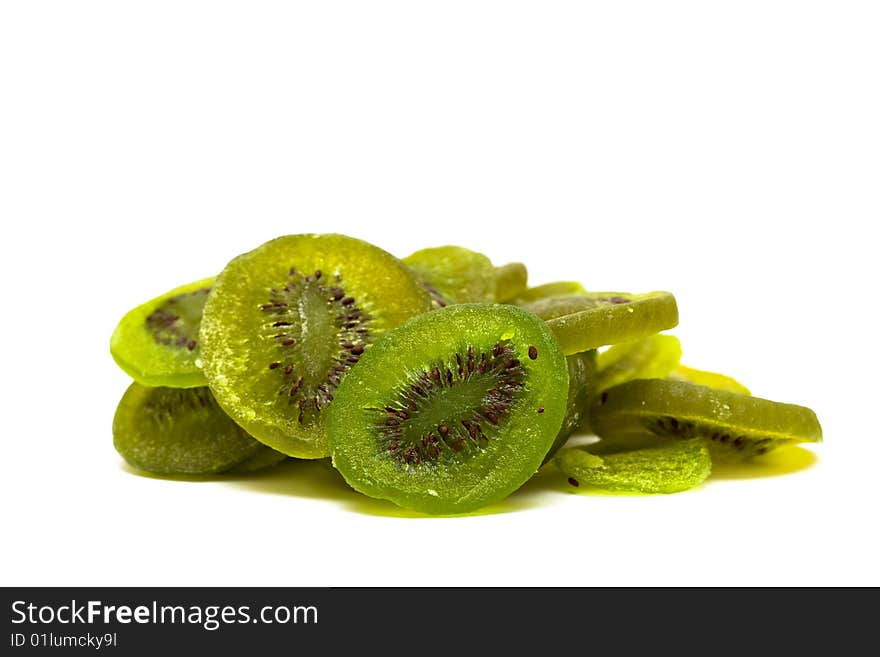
173,431
581,323
654,357
157,343
286,322
669,468
581,389
550,290
710,379
455,274
510,281
732,425
452,411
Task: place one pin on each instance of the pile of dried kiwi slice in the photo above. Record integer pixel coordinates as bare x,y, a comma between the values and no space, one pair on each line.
440,381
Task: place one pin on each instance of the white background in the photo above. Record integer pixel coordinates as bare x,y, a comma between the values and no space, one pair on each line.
727,152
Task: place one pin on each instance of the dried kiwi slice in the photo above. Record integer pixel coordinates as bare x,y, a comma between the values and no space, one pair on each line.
454,274
654,357
581,390
668,468
589,321
173,431
550,290
511,280
732,425
286,322
452,411
710,379
157,343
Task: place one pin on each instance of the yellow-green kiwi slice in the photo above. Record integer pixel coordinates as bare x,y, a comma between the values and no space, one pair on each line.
511,280
654,357
581,390
157,343
287,321
585,322
179,431
732,425
454,274
667,468
550,290
452,411
704,378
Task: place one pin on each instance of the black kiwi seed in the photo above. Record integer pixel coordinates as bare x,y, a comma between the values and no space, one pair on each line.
533,352
405,430
283,325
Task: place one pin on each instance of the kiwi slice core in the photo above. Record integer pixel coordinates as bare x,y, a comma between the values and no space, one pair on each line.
286,322
453,410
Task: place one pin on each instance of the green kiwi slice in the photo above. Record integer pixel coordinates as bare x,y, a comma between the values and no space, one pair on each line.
178,431
704,378
452,411
581,389
668,468
287,321
550,290
731,424
511,280
581,323
454,274
157,343
654,357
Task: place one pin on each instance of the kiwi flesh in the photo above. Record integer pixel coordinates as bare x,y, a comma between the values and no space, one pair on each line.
452,411
654,357
157,343
671,467
733,426
288,320
178,431
581,323
454,274
511,280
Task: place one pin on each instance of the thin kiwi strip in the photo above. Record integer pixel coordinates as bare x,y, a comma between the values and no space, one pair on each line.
157,343
454,274
452,411
654,357
732,425
550,290
668,468
178,431
287,321
581,323
705,378
511,280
